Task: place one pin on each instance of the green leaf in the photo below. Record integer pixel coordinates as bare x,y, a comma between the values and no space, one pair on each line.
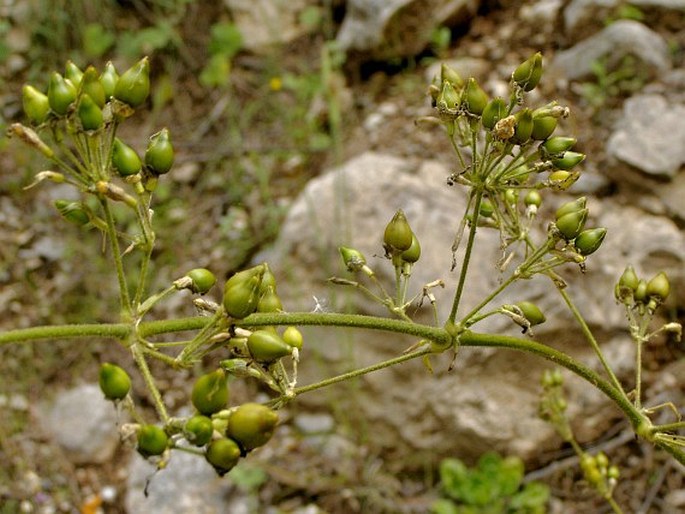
510,475
96,40
217,72
444,506
226,40
454,477
532,498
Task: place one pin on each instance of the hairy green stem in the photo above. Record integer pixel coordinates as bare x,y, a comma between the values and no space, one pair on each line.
139,358
116,256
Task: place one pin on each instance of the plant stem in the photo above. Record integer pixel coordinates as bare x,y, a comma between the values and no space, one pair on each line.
116,255
149,381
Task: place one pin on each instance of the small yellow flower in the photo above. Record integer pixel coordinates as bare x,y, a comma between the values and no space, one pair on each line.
276,84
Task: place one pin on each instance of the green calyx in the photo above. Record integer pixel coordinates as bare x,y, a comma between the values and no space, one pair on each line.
495,110
354,260
533,197
528,74
556,146
125,160
475,99
61,94
568,160
269,301
133,87
242,292
92,86
543,127
89,113
413,253
659,286
198,430
73,212
73,73
159,156
561,180
251,425
152,440
571,224
448,74
524,126
114,381
448,100
202,280
293,337
531,312
223,454
108,79
210,392
589,241
573,206
267,346
398,235
36,104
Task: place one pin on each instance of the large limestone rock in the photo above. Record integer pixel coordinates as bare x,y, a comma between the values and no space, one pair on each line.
490,399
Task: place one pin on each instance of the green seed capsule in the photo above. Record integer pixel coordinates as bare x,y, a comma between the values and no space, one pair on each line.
159,156
533,197
293,337
242,292
203,280
511,196
589,241
571,224
568,160
61,94
398,235
629,279
531,312
223,455
210,392
413,253
354,260
36,104
573,206
543,127
89,113
524,126
198,430
267,346
133,86
448,74
251,425
114,381
640,294
92,86
73,73
561,180
269,301
659,286
152,440
527,75
475,99
109,79
486,208
448,99
125,159
558,145
73,212
495,110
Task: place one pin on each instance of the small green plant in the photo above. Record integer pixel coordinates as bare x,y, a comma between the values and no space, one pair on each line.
514,160
225,43
493,486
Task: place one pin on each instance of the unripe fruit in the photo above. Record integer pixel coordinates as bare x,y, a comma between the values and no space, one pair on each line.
36,104
125,159
543,127
251,425
589,241
91,86
558,145
354,260
413,253
448,74
198,430
133,86
527,75
533,197
73,212
210,392
89,113
61,94
531,312
398,234
114,381
223,455
242,292
269,301
267,346
73,73
486,208
495,110
629,278
571,224
152,440
448,99
568,160
640,294
573,206
108,79
659,286
475,99
203,280
293,337
524,126
511,196
159,156
561,180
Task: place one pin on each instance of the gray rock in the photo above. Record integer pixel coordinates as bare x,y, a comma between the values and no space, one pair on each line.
263,23
187,485
397,28
489,401
580,11
650,135
621,38
82,422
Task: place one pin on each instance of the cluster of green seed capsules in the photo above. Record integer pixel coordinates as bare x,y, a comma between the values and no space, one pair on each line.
78,116
635,292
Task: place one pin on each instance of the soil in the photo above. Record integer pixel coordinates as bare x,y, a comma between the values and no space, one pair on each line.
274,161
